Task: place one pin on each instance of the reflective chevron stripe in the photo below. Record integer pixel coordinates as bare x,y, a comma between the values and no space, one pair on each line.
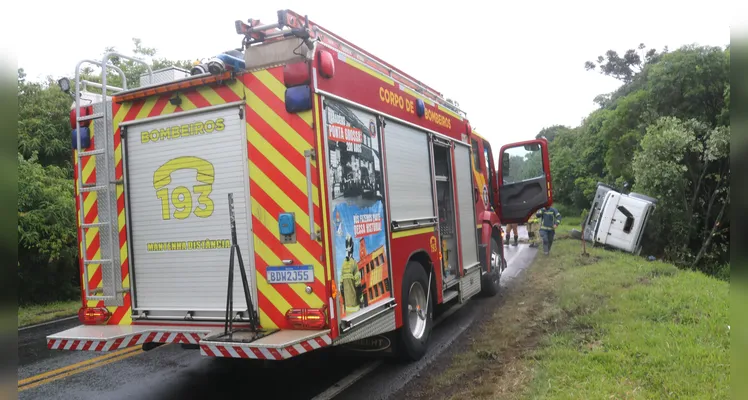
276,141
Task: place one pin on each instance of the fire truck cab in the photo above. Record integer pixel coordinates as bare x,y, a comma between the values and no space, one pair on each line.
300,193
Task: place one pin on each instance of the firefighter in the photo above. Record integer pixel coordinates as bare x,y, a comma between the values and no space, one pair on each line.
509,229
350,279
549,220
533,226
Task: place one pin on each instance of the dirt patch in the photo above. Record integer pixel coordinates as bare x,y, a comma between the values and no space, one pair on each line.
587,259
490,360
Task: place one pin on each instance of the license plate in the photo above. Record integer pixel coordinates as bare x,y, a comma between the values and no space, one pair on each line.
290,274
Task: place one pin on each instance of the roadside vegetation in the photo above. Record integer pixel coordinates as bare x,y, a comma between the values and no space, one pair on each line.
665,132
48,271
607,325
38,313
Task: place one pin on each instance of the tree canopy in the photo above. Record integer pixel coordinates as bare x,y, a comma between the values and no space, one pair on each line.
47,234
665,131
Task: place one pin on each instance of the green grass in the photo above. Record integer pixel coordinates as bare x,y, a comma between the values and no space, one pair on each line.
35,314
635,329
606,326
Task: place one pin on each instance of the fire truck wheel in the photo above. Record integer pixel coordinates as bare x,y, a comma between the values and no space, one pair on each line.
491,282
417,316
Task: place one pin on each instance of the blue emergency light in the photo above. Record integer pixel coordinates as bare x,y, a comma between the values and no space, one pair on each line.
235,63
85,135
298,98
420,107
286,224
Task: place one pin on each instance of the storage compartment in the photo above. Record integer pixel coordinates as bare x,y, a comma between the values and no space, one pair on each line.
179,172
445,201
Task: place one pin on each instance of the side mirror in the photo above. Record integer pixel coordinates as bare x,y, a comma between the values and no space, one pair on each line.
505,164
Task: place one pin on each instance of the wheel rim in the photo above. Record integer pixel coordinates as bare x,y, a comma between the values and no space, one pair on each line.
496,265
417,310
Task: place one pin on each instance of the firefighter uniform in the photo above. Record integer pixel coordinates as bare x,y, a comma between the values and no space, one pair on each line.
509,229
549,220
351,280
533,225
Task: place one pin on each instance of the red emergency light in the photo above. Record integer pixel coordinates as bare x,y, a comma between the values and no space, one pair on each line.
296,74
84,112
307,318
297,79
94,315
326,64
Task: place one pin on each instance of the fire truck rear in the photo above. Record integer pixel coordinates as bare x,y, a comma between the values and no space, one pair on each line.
297,194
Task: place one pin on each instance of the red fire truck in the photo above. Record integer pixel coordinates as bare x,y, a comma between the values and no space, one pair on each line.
346,197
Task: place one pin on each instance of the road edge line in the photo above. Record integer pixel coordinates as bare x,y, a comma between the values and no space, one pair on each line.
23,328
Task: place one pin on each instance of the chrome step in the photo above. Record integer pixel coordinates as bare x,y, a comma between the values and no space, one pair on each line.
449,295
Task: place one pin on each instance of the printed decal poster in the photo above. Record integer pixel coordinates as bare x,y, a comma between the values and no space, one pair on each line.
358,219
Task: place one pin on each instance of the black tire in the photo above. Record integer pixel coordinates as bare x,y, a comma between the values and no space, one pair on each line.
412,348
491,282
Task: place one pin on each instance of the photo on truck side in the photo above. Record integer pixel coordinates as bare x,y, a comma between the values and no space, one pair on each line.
358,220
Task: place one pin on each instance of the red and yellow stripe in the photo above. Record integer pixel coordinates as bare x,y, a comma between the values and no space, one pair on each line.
276,141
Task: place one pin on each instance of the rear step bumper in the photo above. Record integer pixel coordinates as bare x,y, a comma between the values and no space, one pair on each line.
114,337
276,346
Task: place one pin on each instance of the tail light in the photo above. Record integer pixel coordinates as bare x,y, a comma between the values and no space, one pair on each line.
307,318
94,315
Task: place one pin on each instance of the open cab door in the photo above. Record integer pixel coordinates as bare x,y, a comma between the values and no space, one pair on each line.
524,180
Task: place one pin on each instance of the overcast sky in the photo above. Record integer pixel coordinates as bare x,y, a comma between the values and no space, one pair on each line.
514,68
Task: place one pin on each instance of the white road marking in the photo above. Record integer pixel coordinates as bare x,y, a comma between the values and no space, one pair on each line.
349,380
47,323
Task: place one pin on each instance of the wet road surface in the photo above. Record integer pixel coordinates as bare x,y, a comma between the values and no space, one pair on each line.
169,372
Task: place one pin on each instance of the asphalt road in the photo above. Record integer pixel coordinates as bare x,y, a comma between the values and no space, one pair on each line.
169,372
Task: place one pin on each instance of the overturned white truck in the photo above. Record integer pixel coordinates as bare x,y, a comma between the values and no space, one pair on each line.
618,220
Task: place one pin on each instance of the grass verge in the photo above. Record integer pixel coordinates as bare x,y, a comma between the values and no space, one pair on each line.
609,325
38,313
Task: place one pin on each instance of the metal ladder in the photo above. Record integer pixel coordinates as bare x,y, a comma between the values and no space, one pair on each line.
104,186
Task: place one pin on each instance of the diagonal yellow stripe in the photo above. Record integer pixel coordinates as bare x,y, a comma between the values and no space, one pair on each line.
279,89
270,188
88,202
277,123
89,168
118,156
210,95
168,109
276,158
270,293
187,104
147,107
275,86
121,113
267,255
298,250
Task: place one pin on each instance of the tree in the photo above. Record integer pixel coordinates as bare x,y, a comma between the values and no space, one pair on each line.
692,211
691,85
132,70
47,235
43,122
551,132
47,242
624,68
